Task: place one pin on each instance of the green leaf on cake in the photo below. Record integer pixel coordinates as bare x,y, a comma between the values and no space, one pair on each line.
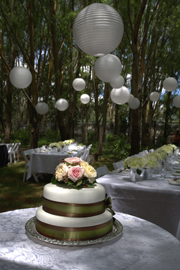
53,180
79,183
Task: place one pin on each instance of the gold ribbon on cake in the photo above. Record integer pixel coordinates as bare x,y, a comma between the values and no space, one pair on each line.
108,205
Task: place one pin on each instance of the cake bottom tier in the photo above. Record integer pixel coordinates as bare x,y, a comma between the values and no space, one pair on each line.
73,229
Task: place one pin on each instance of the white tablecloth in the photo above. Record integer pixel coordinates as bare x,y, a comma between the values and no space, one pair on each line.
46,162
154,200
143,246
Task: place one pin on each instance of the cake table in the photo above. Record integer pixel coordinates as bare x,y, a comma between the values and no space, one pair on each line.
143,245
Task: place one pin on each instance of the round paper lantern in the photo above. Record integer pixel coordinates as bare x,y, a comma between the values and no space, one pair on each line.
20,77
120,95
42,108
170,84
61,104
108,68
154,96
79,84
98,29
131,97
85,98
176,101
118,82
134,104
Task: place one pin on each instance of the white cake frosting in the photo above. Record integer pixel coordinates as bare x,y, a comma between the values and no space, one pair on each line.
45,217
71,195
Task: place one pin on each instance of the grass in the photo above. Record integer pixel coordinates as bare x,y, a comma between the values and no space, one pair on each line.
16,194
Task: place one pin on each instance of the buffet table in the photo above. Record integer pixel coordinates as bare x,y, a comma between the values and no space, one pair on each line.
154,200
143,245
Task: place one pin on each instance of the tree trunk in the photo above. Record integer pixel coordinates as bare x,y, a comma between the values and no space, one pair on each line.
103,126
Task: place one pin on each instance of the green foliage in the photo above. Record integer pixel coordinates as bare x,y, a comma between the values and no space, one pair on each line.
91,136
50,137
119,145
21,136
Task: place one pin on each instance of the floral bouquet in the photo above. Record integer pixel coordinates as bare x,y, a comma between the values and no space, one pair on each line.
135,163
75,172
56,144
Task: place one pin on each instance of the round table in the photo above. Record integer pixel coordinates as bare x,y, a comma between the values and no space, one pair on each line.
143,245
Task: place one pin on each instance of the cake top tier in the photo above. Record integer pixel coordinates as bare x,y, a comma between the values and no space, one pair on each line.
67,194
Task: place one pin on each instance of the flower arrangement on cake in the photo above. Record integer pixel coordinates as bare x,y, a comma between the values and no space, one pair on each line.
75,172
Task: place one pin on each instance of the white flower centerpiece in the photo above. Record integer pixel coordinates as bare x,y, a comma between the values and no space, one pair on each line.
151,164
75,172
136,165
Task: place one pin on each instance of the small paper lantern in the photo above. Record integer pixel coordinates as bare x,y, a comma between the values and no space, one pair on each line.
20,77
131,97
120,96
108,68
79,84
170,84
98,29
176,101
154,96
85,98
61,104
134,104
118,82
42,108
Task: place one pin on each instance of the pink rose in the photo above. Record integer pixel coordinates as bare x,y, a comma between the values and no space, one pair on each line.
75,173
72,160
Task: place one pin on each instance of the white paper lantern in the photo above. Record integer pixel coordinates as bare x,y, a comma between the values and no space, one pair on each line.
42,108
131,97
20,77
176,101
61,104
118,82
120,95
134,104
154,96
79,84
98,29
170,84
85,98
108,68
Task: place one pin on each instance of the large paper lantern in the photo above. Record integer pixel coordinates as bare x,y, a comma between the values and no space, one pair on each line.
176,101
98,29
154,96
85,98
118,82
79,84
120,96
134,104
108,68
20,77
131,97
61,104
42,108
170,84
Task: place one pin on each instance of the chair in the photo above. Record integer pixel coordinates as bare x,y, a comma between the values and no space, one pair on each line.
15,152
102,171
26,155
10,148
85,156
118,165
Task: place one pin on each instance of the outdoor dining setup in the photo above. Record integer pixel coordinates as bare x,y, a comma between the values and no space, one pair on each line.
68,209
154,193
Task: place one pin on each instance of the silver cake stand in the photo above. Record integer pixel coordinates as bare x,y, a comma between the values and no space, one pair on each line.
35,236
